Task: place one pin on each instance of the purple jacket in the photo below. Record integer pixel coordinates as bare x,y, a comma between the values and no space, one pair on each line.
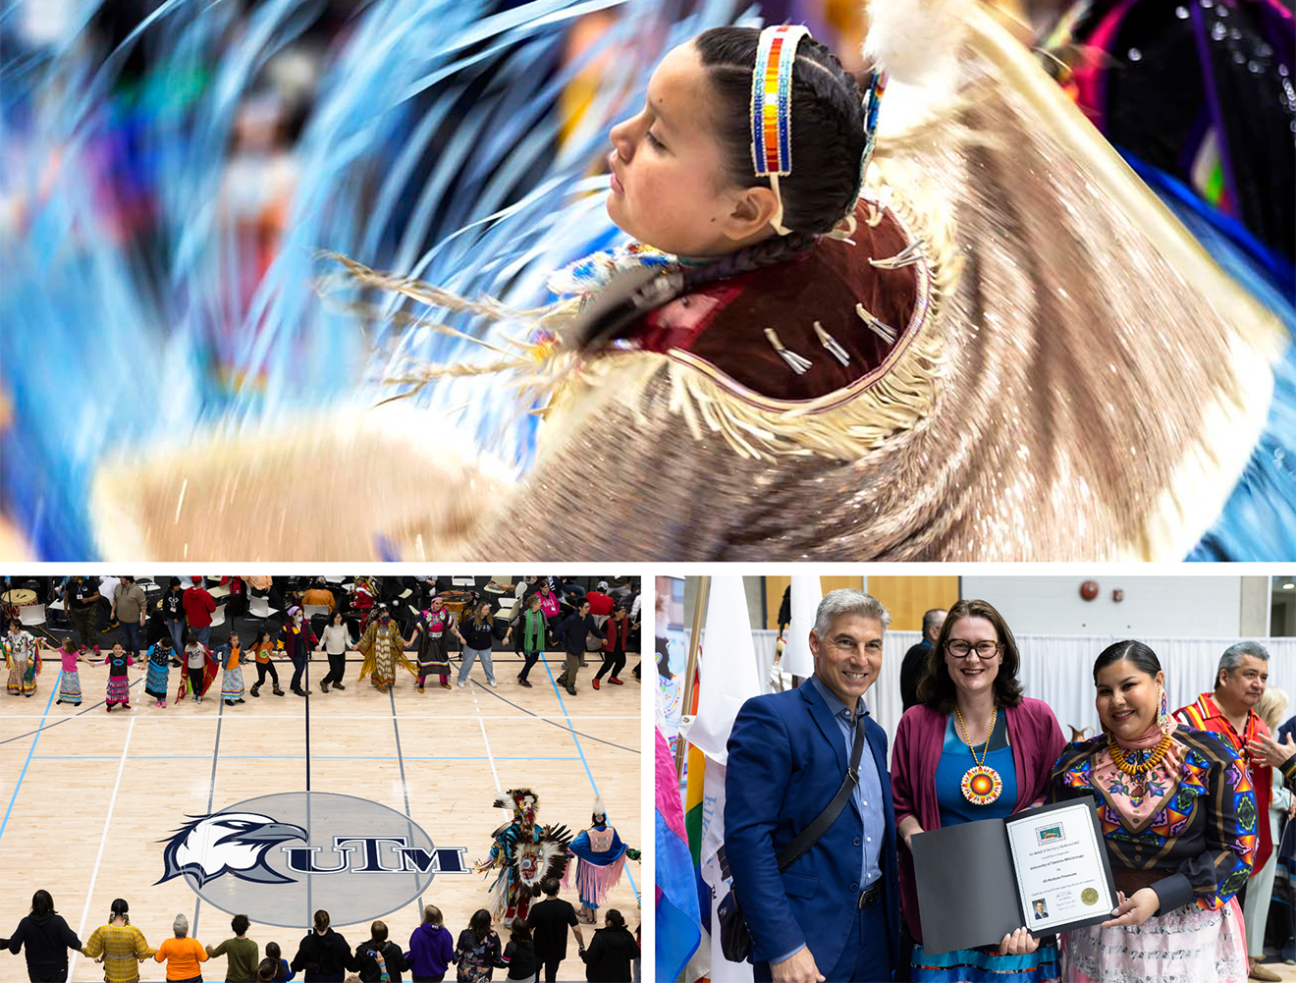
431,950
1037,743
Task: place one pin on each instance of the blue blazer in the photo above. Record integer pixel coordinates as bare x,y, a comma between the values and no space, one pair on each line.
787,759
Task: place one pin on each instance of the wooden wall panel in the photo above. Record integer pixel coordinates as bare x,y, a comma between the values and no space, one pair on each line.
907,598
775,586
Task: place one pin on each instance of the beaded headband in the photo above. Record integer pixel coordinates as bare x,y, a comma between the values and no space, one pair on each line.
771,108
771,111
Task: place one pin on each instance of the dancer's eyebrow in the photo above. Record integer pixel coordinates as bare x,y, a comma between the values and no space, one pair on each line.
655,109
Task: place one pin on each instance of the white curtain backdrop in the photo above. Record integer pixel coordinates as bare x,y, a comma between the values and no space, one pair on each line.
1058,669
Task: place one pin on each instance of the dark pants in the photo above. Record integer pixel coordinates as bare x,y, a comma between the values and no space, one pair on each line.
195,681
262,669
176,626
131,636
551,968
428,979
47,975
614,661
337,666
299,667
531,659
86,621
865,957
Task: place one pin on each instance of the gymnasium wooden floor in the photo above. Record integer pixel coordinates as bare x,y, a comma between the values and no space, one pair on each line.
90,796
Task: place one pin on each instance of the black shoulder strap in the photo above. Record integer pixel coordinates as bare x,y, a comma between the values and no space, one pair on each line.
810,835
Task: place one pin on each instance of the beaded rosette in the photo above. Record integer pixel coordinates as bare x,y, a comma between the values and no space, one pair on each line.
981,785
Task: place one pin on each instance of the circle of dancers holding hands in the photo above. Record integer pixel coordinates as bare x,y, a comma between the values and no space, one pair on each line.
382,642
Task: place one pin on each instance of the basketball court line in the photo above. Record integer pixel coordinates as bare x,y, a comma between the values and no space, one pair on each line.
566,716
211,793
30,752
593,784
103,840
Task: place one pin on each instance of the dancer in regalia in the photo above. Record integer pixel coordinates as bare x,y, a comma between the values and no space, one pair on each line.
600,858
22,656
430,630
524,854
383,650
160,654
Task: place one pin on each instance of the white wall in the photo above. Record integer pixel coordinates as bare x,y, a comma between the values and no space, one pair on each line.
1199,607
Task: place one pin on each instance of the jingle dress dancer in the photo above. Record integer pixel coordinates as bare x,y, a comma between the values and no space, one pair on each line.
924,352
382,647
600,858
22,656
1179,821
430,630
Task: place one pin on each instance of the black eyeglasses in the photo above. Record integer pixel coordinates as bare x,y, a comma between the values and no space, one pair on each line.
961,649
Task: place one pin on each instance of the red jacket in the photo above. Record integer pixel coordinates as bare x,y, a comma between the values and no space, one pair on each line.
1037,743
198,605
600,604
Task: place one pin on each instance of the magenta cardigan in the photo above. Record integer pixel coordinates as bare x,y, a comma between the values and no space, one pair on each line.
1037,743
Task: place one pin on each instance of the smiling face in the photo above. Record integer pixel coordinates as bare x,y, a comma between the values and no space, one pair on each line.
1244,686
1128,699
670,184
974,674
849,657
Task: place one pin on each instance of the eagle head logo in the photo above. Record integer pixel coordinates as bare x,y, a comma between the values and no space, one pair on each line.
228,843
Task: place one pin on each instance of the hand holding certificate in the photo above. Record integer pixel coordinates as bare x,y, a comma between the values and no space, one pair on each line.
1044,868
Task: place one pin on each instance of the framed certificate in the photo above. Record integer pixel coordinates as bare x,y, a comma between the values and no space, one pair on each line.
1044,868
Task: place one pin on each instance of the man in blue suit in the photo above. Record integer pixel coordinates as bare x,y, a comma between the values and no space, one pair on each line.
834,914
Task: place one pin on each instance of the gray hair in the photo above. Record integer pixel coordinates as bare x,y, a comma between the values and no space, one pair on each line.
845,601
181,926
930,619
1236,653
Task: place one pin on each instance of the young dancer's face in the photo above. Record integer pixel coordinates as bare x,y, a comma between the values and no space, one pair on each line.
670,187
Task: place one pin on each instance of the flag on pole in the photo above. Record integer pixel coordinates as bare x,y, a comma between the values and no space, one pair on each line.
806,595
728,678
678,923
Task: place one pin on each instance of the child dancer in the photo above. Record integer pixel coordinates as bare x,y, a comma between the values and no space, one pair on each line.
70,682
118,685
160,655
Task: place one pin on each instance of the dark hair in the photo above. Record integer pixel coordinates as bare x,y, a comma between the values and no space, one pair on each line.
337,614
191,637
264,635
268,968
480,923
275,954
321,920
1144,659
68,645
240,924
519,930
613,918
42,903
828,138
550,885
936,688
378,931
119,907
175,582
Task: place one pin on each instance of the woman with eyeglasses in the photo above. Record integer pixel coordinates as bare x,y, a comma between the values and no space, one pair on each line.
972,748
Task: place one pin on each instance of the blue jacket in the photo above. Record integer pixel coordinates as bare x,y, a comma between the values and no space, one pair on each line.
787,759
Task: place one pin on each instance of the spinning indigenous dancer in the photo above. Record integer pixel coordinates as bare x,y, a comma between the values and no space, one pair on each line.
600,859
383,648
22,656
986,340
524,854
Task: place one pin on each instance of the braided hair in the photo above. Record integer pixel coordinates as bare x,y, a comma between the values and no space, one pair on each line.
828,141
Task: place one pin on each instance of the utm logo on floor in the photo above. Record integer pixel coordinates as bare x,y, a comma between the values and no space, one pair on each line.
279,858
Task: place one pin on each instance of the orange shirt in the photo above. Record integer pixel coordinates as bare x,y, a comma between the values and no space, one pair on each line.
263,651
235,652
182,957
